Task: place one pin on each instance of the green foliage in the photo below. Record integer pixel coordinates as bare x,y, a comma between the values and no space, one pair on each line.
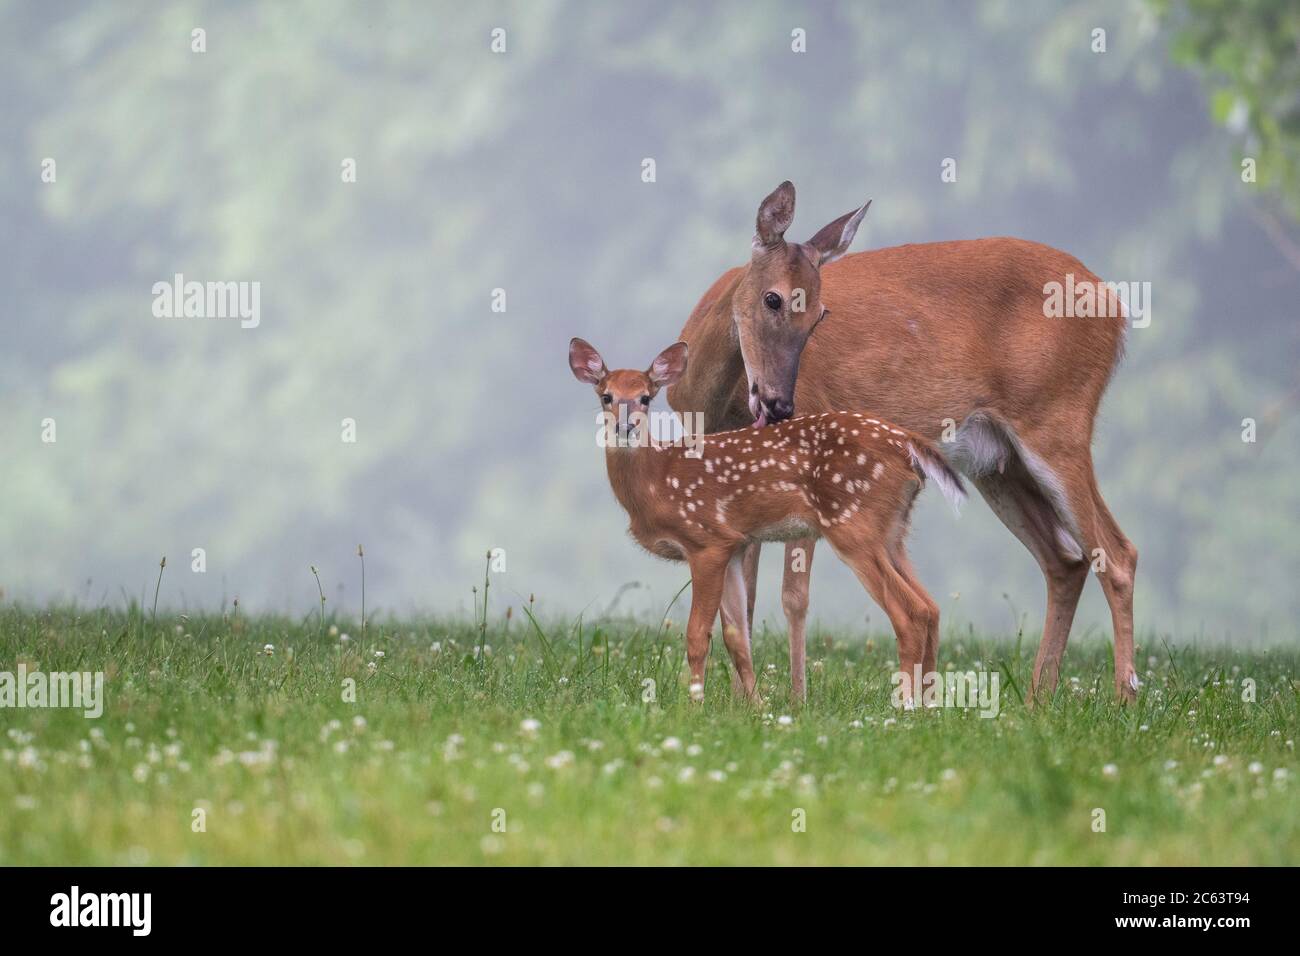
1249,57
200,716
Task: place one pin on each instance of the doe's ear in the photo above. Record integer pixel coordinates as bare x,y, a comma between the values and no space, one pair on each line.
668,365
834,239
586,362
775,213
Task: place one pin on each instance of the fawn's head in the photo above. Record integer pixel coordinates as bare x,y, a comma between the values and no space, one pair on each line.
778,302
625,394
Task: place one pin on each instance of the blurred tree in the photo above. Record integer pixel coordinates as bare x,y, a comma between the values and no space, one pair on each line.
521,171
1248,55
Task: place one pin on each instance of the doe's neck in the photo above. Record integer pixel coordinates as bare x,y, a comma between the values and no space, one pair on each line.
716,365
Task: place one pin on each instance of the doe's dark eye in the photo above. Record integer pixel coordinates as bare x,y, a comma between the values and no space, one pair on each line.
645,399
607,398
772,301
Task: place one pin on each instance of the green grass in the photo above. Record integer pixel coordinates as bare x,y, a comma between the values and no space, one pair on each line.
198,716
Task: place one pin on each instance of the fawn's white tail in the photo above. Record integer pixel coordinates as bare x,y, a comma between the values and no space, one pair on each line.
928,463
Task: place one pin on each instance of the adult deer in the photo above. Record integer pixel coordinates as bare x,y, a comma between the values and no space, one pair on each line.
924,335
846,476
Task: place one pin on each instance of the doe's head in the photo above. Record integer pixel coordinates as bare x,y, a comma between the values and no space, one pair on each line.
625,394
778,301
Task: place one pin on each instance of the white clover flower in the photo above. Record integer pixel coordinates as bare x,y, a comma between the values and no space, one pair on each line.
371,667
1281,774
1110,770
686,775
671,744
560,760
379,654
358,723
785,720
268,649
529,727
694,750
717,776
343,638
436,647
889,722
1255,768
1220,759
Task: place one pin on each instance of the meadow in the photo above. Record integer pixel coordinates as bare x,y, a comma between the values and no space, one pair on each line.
229,739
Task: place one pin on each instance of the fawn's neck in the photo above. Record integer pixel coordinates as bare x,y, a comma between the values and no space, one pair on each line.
633,472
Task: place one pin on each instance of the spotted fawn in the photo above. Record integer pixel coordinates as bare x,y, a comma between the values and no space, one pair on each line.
843,476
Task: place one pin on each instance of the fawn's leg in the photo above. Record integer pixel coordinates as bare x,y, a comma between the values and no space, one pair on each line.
738,591
708,571
794,601
930,654
735,626
910,616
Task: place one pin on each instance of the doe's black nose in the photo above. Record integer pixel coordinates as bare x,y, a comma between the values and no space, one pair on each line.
779,409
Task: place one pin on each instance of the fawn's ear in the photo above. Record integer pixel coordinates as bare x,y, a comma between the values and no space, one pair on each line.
586,362
668,365
834,239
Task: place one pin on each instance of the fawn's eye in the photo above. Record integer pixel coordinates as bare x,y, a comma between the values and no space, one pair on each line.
607,398
772,301
645,399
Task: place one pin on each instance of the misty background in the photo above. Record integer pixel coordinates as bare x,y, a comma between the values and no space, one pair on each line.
522,171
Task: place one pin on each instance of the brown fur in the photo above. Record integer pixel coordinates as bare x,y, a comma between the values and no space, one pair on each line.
925,333
847,476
